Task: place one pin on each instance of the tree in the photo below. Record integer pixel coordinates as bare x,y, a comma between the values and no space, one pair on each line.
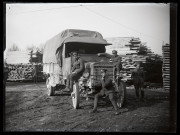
14,47
31,47
142,50
41,47
35,48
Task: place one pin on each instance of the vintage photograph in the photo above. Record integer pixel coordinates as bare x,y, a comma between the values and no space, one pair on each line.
87,67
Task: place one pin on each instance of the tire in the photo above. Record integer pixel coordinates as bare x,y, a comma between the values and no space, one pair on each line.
121,98
75,95
51,90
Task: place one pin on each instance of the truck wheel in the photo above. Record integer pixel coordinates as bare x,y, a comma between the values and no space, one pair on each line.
75,95
51,90
121,88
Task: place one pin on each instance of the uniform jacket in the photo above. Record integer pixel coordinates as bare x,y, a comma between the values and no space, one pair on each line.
34,71
115,59
78,66
106,86
138,75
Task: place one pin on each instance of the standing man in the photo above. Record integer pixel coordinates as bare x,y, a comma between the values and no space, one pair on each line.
116,60
138,81
77,70
107,89
34,73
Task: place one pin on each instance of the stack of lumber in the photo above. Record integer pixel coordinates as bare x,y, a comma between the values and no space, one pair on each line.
166,66
129,64
20,72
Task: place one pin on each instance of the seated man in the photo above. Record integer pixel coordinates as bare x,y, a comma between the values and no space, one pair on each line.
116,59
107,89
138,81
77,70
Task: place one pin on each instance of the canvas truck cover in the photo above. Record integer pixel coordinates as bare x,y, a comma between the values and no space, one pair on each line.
53,47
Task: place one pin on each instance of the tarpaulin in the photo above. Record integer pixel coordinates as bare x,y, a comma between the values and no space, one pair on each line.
53,47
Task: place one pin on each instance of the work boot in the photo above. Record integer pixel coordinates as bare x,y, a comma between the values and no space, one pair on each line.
123,110
116,112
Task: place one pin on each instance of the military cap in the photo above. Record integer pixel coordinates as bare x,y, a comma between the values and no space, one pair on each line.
114,51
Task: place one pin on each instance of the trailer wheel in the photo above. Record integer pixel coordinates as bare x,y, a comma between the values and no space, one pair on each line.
51,90
121,96
75,95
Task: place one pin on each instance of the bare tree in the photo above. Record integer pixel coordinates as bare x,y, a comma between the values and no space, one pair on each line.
41,47
14,47
31,47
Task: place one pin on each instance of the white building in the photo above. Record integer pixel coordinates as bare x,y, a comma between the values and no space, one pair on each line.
17,57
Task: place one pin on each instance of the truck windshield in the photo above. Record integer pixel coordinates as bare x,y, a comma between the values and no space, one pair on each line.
85,48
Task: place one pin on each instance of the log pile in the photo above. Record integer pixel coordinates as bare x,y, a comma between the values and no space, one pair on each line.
20,72
166,66
129,63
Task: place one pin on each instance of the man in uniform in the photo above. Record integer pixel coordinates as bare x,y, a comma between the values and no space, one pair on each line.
138,81
115,59
107,89
34,73
77,70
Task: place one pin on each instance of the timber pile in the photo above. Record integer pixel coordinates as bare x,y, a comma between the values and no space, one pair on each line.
129,63
20,72
166,66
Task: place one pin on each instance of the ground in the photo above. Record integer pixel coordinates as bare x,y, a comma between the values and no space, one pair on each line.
28,108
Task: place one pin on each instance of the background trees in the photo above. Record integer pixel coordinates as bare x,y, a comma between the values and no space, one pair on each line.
14,47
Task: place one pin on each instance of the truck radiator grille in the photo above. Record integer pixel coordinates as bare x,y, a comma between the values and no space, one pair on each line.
96,72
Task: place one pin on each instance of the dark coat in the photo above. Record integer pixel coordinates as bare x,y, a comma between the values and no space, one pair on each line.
34,71
138,76
106,86
116,60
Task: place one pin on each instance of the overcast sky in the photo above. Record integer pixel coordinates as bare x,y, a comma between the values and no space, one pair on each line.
28,24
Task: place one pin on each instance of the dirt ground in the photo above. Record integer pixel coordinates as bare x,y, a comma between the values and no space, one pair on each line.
28,108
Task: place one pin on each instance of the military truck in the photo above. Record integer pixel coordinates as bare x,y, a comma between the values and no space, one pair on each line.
57,62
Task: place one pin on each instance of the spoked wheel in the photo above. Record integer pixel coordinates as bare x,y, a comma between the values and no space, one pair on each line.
75,95
51,90
121,94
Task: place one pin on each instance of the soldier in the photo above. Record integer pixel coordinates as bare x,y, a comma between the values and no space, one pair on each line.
138,81
116,59
77,70
34,73
107,89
